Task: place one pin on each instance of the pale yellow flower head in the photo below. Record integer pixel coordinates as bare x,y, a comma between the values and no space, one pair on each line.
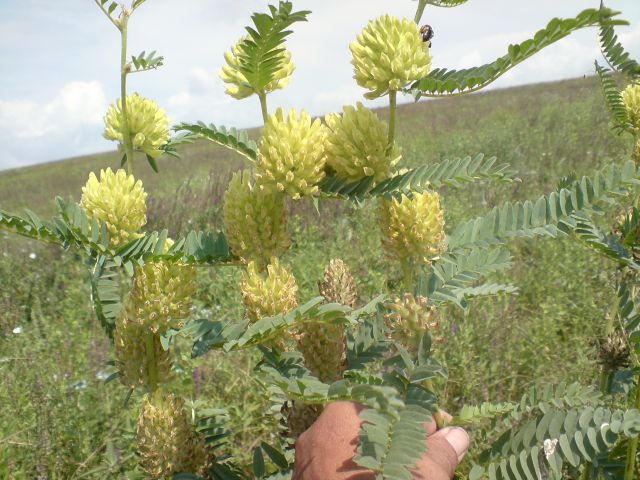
292,154
119,201
409,318
147,123
631,100
255,221
357,145
388,55
236,83
166,439
270,294
413,227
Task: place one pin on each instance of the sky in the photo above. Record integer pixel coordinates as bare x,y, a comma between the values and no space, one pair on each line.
60,60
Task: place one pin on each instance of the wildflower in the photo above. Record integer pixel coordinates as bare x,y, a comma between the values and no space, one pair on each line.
631,100
239,86
271,294
118,201
255,221
389,54
291,155
413,227
357,145
409,318
147,123
33,256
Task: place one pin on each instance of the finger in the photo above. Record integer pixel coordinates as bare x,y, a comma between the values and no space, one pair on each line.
445,450
439,418
457,438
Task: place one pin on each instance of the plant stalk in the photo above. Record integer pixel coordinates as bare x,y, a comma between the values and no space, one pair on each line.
151,362
407,275
421,5
392,118
632,448
263,106
126,135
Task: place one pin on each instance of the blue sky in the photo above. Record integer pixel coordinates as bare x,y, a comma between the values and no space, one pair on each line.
59,60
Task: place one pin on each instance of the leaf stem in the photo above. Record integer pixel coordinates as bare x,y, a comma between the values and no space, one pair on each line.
407,275
421,5
151,362
632,448
97,2
392,117
124,71
263,106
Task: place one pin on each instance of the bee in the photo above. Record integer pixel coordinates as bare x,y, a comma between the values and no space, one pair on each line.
427,34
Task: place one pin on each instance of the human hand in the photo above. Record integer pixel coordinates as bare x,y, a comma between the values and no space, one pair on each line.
326,450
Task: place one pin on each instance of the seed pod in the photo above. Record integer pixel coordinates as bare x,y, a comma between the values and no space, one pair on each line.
161,296
631,100
133,357
357,145
409,318
292,154
413,227
614,352
255,222
236,83
298,417
322,344
147,123
388,55
167,442
118,201
268,295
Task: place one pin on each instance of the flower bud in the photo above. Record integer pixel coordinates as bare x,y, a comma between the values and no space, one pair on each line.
237,84
161,296
299,416
133,357
388,55
291,155
118,201
146,122
338,285
167,441
357,145
413,227
631,100
255,222
268,295
614,352
409,318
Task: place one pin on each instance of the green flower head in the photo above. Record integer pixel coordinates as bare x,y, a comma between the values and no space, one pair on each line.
255,222
631,100
413,227
236,82
292,154
357,145
119,201
388,55
147,123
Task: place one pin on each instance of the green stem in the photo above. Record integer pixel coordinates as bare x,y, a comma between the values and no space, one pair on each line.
151,362
126,135
263,106
407,275
392,117
421,5
606,375
632,448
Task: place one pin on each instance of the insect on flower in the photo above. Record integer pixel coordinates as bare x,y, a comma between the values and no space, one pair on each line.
427,34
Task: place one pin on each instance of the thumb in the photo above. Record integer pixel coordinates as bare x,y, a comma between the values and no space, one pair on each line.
446,448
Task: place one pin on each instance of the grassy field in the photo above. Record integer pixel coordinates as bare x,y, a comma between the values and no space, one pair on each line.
60,421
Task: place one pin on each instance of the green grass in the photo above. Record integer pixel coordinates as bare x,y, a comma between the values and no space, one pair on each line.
60,421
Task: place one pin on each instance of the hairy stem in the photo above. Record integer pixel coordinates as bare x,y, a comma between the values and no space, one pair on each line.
421,5
124,70
407,275
151,362
263,106
632,448
392,117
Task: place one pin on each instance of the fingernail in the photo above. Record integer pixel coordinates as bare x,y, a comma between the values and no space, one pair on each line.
458,439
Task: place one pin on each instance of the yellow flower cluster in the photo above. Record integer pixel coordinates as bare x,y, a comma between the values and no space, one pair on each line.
239,86
409,318
413,227
357,145
631,100
271,294
388,55
146,122
255,221
291,155
167,442
118,201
